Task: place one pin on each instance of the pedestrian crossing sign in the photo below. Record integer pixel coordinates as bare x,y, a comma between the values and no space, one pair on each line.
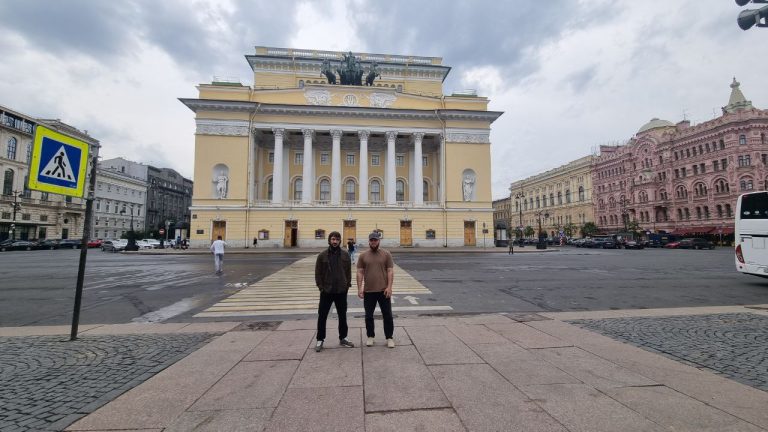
58,163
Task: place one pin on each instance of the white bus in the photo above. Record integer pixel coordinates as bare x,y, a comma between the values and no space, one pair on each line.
751,234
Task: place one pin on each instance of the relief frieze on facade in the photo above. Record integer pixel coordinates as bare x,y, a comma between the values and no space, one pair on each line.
221,129
473,138
326,98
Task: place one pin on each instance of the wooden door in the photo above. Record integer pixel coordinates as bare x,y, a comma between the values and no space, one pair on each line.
350,231
406,235
469,233
291,233
219,229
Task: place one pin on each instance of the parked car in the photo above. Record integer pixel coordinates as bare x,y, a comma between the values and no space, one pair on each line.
148,243
604,243
95,243
696,243
632,244
113,245
17,245
653,243
47,244
672,245
70,244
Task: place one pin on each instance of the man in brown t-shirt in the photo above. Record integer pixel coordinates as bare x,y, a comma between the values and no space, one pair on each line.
375,273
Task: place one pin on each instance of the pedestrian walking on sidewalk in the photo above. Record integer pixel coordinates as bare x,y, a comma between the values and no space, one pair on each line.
217,248
511,247
351,249
333,277
375,274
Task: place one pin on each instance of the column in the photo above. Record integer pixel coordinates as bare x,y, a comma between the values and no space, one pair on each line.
391,173
307,178
418,174
336,167
363,176
277,167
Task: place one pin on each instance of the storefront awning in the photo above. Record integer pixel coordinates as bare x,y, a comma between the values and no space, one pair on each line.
692,230
723,231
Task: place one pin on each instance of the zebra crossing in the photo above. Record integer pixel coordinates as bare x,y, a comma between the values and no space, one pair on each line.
292,291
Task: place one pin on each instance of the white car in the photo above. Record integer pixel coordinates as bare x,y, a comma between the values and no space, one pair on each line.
148,243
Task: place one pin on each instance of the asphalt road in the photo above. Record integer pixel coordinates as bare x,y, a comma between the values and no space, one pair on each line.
37,287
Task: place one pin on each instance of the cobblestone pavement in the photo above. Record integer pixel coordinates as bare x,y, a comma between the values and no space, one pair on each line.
734,345
47,382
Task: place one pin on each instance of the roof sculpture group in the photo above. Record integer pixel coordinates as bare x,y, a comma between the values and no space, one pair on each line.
350,71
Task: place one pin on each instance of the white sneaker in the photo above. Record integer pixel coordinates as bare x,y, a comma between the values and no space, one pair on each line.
369,342
390,343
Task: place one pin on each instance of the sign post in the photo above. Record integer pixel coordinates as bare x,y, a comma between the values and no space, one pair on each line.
59,165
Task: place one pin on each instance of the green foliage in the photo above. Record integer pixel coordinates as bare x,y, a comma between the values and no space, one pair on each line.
634,227
570,229
588,229
529,231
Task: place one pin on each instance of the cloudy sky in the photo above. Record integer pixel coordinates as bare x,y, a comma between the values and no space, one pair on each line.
569,74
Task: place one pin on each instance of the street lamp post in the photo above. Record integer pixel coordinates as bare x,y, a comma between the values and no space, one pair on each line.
520,198
16,206
131,246
542,244
624,213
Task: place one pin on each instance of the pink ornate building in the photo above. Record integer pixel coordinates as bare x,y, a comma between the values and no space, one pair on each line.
683,179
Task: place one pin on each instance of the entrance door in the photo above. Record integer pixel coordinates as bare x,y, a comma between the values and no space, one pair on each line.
469,233
406,235
219,229
291,233
350,231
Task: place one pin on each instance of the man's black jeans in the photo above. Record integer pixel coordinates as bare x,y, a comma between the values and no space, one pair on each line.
326,300
369,302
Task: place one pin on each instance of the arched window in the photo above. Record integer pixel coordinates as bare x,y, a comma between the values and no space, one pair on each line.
269,189
567,196
745,184
581,193
425,192
559,198
706,212
698,212
728,211
12,148
349,190
687,213
551,199
679,214
700,189
538,202
29,154
400,191
325,190
375,191
719,211
298,187
8,182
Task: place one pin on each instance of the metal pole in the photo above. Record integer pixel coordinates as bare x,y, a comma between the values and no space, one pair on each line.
84,246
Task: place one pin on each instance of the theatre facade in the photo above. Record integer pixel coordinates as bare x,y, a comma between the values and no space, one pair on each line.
350,142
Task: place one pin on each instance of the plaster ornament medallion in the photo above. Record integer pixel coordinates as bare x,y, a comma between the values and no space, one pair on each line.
318,97
382,100
350,100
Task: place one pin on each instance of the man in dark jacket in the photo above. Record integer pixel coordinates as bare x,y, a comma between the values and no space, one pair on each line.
333,277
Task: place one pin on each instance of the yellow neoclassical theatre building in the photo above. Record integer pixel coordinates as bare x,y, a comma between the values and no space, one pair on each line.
350,142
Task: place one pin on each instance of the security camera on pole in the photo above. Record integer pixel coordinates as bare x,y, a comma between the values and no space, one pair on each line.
752,17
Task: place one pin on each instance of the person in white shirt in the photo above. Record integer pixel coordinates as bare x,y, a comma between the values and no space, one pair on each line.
217,248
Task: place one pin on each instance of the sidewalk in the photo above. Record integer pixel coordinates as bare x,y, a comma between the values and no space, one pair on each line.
494,372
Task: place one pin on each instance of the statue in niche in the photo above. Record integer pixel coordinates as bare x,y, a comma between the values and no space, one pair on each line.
221,181
468,185
327,70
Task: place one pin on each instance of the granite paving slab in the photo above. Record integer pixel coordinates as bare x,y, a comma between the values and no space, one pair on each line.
435,420
677,411
398,379
521,367
332,338
527,336
282,345
42,330
133,328
330,368
437,345
323,409
472,334
591,369
583,408
485,401
230,420
249,385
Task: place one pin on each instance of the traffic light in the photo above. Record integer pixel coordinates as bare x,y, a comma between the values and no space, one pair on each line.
752,17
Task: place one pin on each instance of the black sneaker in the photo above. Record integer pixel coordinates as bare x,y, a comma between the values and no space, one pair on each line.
319,346
346,343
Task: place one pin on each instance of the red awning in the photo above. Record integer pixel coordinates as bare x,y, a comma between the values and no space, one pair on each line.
723,231
693,230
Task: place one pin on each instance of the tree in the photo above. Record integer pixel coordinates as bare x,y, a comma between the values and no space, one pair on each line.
570,229
633,226
529,231
588,229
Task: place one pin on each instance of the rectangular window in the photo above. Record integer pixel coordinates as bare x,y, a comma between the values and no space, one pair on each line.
43,218
683,172
6,215
677,173
375,159
742,139
695,169
324,158
400,160
424,161
271,157
26,216
724,163
702,168
350,159
716,165
298,158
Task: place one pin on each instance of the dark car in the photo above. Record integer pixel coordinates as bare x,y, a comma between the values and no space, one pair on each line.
70,244
653,243
47,244
604,243
696,243
17,245
634,245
